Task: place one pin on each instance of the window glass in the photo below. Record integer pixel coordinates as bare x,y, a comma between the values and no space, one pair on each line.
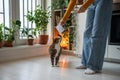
25,6
1,18
4,12
1,5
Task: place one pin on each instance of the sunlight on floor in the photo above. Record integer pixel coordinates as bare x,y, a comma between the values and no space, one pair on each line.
64,63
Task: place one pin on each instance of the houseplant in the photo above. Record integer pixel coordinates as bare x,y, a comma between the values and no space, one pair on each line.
59,4
1,34
10,33
41,18
29,33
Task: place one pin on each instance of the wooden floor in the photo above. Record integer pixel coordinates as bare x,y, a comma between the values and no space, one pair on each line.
39,68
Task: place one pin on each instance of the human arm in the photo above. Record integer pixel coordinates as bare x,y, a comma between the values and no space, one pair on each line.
85,5
70,7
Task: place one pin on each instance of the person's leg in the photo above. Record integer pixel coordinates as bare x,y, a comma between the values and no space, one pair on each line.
87,34
101,26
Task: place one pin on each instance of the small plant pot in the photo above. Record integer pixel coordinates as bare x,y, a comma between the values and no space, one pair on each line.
0,44
43,39
8,44
30,41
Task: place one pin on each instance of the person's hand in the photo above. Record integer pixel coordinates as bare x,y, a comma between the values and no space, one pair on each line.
59,27
81,10
79,2
61,22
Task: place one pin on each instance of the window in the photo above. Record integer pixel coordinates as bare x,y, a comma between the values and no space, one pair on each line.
4,12
15,10
25,6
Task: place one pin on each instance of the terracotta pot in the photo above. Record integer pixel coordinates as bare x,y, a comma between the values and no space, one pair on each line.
30,41
0,44
43,39
8,44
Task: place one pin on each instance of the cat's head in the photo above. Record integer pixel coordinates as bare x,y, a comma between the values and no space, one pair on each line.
57,40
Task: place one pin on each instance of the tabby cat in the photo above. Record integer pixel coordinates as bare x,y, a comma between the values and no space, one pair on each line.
55,51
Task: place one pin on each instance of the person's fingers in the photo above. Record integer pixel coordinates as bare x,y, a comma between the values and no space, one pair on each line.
79,2
81,10
62,22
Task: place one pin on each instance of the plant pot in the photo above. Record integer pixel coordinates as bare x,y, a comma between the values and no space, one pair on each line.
0,44
43,39
30,41
8,44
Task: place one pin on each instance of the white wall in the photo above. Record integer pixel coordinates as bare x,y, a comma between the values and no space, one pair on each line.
81,18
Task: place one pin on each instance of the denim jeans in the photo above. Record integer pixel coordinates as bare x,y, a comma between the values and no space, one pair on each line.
98,22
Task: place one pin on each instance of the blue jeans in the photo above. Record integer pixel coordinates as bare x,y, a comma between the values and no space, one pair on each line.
97,27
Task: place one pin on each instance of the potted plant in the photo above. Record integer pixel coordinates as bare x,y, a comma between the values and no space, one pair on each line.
29,33
41,18
59,4
1,34
10,33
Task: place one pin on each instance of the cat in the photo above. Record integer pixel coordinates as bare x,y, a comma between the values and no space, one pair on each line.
55,51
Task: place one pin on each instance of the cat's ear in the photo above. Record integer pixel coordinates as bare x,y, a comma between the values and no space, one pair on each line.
59,35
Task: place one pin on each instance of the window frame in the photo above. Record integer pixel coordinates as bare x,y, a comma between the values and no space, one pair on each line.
19,40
